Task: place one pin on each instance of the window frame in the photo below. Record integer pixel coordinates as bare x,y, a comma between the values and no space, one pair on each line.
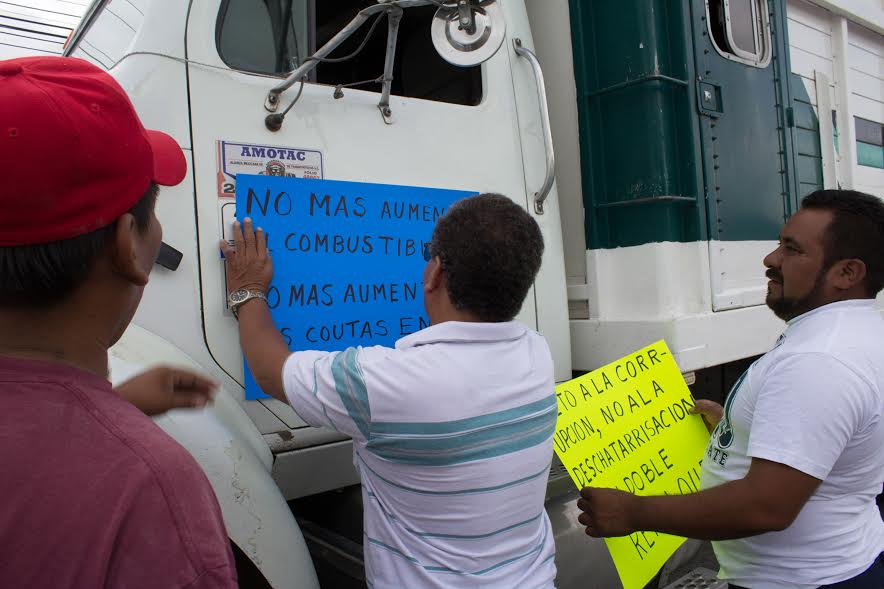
760,26
312,77
86,22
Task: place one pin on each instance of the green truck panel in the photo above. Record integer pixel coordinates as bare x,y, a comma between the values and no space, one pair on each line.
678,142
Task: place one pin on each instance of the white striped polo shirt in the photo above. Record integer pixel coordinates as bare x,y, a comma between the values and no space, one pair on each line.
452,435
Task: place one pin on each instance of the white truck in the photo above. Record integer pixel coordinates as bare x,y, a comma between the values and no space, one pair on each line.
666,146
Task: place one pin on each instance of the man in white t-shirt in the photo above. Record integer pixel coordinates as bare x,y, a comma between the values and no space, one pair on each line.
796,457
452,429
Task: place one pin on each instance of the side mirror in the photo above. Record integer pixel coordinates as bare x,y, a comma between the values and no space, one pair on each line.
468,33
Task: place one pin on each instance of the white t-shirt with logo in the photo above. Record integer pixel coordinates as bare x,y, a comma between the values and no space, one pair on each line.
814,403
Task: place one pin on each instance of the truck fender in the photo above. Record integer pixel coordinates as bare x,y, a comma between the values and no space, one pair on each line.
236,460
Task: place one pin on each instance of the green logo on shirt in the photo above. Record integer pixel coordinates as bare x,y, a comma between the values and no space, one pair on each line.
723,435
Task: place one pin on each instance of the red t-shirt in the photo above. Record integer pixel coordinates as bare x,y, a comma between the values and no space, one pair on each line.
94,494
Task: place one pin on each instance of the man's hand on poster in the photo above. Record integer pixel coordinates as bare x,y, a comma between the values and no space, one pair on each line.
160,389
606,512
248,262
710,411
249,267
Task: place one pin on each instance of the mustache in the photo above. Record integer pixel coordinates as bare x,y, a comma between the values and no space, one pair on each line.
774,275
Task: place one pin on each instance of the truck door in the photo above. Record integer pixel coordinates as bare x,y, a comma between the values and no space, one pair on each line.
742,77
449,127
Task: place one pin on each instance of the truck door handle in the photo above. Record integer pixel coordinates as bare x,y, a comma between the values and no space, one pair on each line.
709,98
540,195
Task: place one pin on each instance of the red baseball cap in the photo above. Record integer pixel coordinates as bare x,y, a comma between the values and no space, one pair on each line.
75,155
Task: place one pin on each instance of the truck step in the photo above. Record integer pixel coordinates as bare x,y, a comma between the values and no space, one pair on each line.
699,578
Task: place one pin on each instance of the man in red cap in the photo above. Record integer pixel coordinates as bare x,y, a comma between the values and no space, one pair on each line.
94,494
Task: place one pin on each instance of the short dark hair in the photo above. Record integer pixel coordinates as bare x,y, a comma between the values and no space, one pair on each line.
490,250
856,231
44,274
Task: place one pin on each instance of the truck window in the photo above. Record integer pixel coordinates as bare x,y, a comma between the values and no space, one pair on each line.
869,143
740,30
272,37
263,36
110,32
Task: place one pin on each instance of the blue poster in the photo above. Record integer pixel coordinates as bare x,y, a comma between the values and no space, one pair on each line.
347,258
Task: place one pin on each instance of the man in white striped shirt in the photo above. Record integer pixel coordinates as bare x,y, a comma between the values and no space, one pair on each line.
452,429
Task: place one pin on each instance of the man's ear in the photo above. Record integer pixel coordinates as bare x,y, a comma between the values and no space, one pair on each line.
124,251
847,274
434,280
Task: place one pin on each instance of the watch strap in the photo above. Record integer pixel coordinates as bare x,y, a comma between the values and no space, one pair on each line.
249,295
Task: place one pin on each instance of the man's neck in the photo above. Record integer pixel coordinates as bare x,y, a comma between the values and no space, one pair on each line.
449,313
57,335
815,308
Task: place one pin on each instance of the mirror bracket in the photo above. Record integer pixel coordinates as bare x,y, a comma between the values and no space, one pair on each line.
394,17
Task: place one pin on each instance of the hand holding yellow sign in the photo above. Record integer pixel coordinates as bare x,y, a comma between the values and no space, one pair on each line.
628,426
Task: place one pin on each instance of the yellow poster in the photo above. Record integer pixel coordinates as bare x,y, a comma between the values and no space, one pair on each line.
626,426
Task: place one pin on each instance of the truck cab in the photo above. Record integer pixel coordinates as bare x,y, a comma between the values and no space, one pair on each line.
202,72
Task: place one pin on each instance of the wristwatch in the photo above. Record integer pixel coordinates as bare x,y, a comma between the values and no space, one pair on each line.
240,296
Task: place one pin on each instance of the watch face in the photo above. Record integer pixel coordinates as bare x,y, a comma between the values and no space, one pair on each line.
238,295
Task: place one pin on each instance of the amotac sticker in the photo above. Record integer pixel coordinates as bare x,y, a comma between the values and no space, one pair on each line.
263,160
